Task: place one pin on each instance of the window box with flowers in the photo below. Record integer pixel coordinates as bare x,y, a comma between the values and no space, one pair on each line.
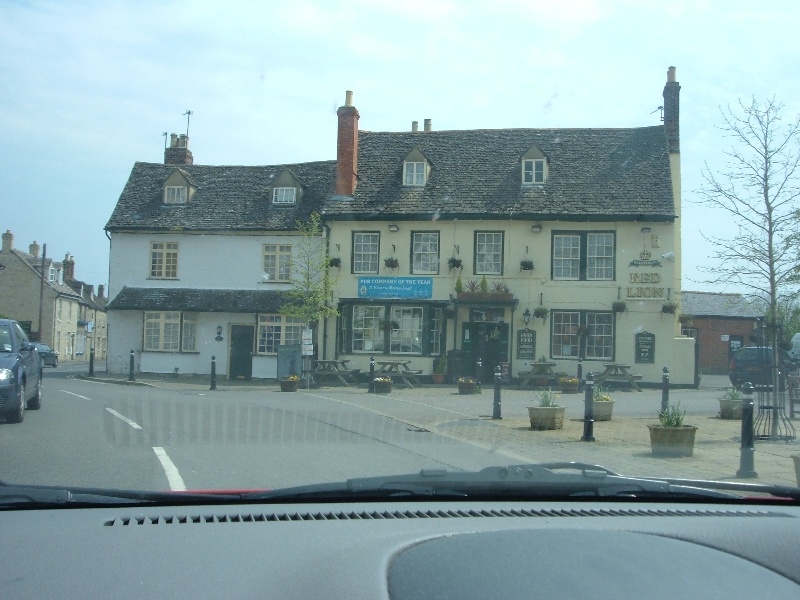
290,383
468,385
382,385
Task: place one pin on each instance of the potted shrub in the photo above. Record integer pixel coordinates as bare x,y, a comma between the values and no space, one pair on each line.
526,265
618,307
569,385
290,383
468,385
671,437
547,415
730,404
382,385
440,370
454,263
391,262
602,404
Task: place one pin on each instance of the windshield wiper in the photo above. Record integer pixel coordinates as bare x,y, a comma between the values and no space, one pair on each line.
525,482
35,496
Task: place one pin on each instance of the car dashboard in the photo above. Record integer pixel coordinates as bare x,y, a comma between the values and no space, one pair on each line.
403,550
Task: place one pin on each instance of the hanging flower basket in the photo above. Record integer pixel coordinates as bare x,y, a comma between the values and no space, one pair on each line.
669,308
540,312
454,263
391,263
618,306
526,265
334,261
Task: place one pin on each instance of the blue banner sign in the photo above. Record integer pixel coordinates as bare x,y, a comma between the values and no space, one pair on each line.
395,287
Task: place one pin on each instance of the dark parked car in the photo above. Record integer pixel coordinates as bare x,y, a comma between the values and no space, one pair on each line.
20,372
754,364
49,356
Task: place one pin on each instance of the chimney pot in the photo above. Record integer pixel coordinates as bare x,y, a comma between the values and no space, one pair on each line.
101,290
671,74
415,126
348,98
8,241
427,124
178,152
34,249
347,147
173,140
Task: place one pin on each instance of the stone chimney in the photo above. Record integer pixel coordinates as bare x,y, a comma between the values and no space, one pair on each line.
178,152
69,267
347,147
427,125
101,290
415,126
8,241
34,249
672,112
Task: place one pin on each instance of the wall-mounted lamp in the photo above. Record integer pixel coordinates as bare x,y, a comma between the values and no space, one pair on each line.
393,227
536,228
219,333
646,230
526,316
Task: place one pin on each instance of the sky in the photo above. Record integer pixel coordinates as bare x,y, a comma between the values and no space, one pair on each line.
87,88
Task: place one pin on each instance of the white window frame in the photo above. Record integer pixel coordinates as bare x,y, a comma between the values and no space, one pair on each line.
584,255
600,256
366,328
408,332
277,330
366,251
175,194
534,171
277,262
564,339
488,256
414,173
161,331
163,260
284,196
566,256
425,252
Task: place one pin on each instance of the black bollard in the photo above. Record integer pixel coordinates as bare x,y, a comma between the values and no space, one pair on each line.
747,452
91,362
131,376
588,409
665,389
213,373
371,385
580,374
496,410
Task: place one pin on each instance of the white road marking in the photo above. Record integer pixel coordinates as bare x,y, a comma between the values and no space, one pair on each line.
133,424
74,394
173,476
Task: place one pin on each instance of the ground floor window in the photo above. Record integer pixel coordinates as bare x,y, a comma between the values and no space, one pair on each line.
399,329
278,330
584,334
170,331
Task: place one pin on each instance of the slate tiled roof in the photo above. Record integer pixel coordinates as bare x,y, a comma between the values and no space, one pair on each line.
594,174
194,300
227,198
708,304
35,264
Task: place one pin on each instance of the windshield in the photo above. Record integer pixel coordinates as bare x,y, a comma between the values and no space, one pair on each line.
275,246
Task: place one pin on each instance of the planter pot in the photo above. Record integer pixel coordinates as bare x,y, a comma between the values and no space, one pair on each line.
796,459
672,441
730,409
546,417
289,386
467,388
438,378
569,389
383,387
602,410
542,382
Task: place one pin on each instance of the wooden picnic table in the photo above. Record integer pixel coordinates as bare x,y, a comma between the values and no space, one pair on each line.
333,370
398,369
538,370
618,373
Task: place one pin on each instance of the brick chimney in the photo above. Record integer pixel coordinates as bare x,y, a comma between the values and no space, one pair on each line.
69,267
33,249
347,147
672,112
8,241
101,290
178,152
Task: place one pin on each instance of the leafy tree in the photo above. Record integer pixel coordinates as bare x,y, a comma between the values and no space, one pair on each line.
312,285
759,188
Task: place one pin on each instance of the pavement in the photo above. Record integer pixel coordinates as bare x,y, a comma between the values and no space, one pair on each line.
621,444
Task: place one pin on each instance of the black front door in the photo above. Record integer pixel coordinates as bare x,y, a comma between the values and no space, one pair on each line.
241,351
487,342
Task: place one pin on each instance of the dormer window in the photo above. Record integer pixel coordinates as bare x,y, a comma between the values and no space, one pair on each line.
533,171
285,196
414,173
175,194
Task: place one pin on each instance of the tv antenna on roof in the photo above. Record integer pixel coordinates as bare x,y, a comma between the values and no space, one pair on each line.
660,108
188,114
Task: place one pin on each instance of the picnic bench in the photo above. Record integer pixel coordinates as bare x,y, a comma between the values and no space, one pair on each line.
334,370
618,373
398,370
538,370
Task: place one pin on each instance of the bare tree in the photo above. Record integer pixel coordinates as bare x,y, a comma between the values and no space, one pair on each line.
760,189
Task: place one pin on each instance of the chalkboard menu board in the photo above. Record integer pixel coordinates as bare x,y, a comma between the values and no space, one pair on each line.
645,350
526,343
